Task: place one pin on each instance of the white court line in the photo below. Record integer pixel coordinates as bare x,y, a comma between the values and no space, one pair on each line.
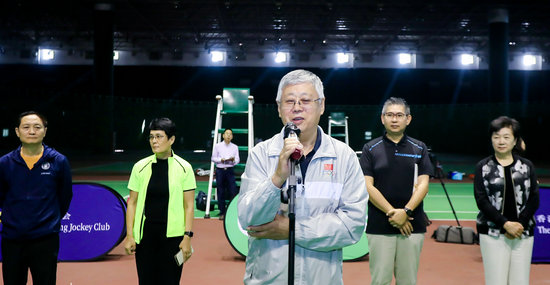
452,196
466,212
452,220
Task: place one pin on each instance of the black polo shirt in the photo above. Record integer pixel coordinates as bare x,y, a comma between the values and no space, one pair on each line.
392,167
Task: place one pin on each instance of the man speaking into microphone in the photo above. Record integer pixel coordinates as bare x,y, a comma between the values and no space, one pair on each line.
331,197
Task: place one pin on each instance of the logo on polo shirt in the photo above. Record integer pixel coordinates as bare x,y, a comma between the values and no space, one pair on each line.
46,165
408,155
328,169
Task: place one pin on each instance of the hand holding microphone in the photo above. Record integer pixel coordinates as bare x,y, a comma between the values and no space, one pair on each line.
292,150
291,133
297,154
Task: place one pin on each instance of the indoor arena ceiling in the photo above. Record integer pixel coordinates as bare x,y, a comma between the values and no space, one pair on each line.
365,27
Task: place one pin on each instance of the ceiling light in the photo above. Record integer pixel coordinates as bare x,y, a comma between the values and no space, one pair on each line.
467,59
342,57
281,57
529,60
405,58
216,56
45,55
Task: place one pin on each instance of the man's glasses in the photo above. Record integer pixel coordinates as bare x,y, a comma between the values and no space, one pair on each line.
399,116
304,103
158,137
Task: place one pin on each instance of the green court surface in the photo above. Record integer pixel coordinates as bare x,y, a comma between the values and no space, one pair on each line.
436,204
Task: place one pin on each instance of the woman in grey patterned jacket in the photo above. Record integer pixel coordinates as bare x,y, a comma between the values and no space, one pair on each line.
507,195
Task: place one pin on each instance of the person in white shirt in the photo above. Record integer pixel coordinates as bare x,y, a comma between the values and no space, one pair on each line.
226,156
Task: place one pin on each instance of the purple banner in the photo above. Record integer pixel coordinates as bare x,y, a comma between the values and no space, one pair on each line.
541,249
94,224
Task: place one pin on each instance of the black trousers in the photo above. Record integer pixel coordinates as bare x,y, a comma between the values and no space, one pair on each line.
155,256
227,188
38,255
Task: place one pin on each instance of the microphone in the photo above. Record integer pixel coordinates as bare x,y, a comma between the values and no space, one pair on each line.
292,131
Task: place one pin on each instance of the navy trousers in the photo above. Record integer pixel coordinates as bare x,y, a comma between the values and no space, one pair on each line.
227,188
39,255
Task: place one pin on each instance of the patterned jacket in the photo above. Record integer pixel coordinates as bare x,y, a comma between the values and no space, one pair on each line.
489,191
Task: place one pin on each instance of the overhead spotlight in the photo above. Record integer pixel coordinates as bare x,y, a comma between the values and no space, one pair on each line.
512,43
115,55
342,57
240,44
467,59
216,56
405,58
324,41
529,60
281,57
45,54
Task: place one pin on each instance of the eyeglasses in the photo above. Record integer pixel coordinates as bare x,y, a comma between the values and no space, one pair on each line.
305,103
27,128
399,116
158,137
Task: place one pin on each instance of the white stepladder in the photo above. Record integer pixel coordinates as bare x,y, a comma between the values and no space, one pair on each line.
234,102
338,119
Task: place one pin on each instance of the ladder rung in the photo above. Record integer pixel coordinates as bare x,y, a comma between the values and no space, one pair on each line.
235,131
243,147
233,112
337,135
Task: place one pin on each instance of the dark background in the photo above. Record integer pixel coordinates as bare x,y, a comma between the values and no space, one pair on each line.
451,108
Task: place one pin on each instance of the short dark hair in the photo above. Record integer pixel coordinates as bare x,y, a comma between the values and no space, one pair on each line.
507,122
28,113
163,124
227,129
396,101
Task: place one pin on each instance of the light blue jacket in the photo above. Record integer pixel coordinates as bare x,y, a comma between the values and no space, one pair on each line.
330,213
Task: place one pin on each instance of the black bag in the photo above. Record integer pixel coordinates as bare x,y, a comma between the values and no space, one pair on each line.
445,233
464,235
200,202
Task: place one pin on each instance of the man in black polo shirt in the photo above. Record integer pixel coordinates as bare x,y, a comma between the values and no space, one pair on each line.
397,170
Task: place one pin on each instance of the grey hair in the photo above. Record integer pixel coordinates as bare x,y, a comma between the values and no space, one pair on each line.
300,76
396,101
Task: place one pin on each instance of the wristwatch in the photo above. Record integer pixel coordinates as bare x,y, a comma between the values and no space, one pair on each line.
408,211
190,234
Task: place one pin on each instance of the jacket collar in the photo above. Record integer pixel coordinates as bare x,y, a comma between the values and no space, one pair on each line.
16,154
154,157
515,156
401,141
